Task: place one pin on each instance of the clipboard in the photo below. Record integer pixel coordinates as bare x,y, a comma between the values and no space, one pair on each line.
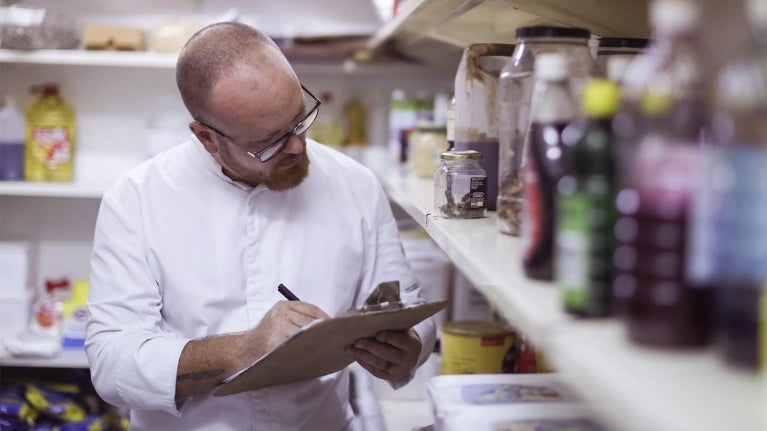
318,349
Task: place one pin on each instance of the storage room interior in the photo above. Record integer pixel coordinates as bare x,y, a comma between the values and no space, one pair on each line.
546,327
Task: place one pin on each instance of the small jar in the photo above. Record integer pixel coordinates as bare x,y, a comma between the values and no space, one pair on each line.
460,185
611,47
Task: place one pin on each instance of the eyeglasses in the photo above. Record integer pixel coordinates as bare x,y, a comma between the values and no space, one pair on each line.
267,153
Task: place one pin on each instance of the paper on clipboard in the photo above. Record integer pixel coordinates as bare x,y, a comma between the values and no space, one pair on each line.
318,349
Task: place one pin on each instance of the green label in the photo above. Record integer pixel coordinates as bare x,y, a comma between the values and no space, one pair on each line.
573,250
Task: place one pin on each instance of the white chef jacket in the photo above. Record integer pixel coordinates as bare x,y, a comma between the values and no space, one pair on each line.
181,251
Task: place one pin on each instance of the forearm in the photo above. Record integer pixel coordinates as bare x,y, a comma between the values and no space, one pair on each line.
206,362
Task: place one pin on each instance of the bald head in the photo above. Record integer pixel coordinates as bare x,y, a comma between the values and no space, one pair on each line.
215,50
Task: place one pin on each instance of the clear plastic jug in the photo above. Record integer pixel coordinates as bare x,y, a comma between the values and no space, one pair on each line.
514,105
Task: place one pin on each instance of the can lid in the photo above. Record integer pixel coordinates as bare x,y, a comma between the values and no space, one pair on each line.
623,42
476,328
551,31
461,155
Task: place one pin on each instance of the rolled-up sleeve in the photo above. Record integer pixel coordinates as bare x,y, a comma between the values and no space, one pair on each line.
133,360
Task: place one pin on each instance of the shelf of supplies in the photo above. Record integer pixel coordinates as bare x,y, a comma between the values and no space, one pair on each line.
67,358
94,173
168,61
631,388
463,22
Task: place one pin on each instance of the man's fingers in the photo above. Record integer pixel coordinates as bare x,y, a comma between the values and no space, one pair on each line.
399,339
307,309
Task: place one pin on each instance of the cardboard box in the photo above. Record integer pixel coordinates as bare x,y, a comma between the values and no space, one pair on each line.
101,37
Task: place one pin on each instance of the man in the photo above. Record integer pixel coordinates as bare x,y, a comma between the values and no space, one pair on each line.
190,247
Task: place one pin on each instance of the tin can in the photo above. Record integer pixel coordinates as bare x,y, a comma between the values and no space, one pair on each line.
474,347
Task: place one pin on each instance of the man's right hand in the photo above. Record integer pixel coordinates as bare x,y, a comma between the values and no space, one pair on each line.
283,320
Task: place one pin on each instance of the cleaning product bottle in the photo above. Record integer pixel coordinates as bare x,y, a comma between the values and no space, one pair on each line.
11,141
355,122
50,140
75,316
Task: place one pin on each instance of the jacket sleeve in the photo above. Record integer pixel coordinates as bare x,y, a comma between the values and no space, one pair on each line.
133,361
385,261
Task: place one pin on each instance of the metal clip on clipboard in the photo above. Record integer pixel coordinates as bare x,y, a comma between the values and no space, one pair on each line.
385,297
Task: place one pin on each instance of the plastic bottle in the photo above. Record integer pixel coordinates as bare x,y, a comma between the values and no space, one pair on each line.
355,122
450,124
328,129
660,168
515,91
585,208
737,214
51,137
476,117
11,141
403,118
74,316
553,109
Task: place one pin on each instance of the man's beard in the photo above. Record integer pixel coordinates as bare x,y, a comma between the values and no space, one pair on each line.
282,180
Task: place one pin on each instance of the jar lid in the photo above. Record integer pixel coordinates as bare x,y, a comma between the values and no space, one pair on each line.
623,42
460,155
550,31
476,328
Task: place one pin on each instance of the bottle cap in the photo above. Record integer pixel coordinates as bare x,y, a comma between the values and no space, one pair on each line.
617,66
674,16
601,98
551,31
756,10
460,155
623,42
551,66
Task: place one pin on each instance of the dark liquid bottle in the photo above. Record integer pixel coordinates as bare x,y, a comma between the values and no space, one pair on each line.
585,206
663,304
553,109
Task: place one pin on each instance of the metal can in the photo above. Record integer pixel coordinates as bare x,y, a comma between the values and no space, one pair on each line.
474,347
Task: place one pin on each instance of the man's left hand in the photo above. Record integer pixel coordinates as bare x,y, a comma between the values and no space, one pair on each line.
391,355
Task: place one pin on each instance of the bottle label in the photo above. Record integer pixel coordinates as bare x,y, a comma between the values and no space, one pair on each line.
477,192
532,212
573,250
54,142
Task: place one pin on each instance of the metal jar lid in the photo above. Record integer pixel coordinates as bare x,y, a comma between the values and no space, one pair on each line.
476,328
460,155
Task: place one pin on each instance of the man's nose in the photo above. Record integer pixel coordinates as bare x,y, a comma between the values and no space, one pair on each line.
295,144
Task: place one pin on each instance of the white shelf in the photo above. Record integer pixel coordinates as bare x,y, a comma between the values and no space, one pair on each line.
94,173
463,22
68,358
168,61
90,58
632,388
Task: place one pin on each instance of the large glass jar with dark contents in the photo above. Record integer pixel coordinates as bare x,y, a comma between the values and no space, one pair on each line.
460,185
515,93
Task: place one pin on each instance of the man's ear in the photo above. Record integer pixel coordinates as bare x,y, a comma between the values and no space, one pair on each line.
204,135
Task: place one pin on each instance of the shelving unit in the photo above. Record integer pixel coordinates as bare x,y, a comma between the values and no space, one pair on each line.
630,388
455,24
68,358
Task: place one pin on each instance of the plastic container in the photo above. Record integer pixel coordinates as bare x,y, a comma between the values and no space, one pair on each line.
585,205
514,100
403,118
476,89
11,141
736,215
553,109
50,137
475,347
505,402
460,185
426,144
661,172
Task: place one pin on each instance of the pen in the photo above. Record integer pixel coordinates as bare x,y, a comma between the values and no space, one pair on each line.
287,293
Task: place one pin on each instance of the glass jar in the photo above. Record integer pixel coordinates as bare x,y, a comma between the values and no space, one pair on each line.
610,47
460,185
425,145
515,94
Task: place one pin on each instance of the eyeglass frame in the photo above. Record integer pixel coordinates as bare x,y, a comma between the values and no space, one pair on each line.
284,138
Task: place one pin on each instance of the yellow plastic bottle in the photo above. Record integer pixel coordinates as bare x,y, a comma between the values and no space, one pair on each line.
50,138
